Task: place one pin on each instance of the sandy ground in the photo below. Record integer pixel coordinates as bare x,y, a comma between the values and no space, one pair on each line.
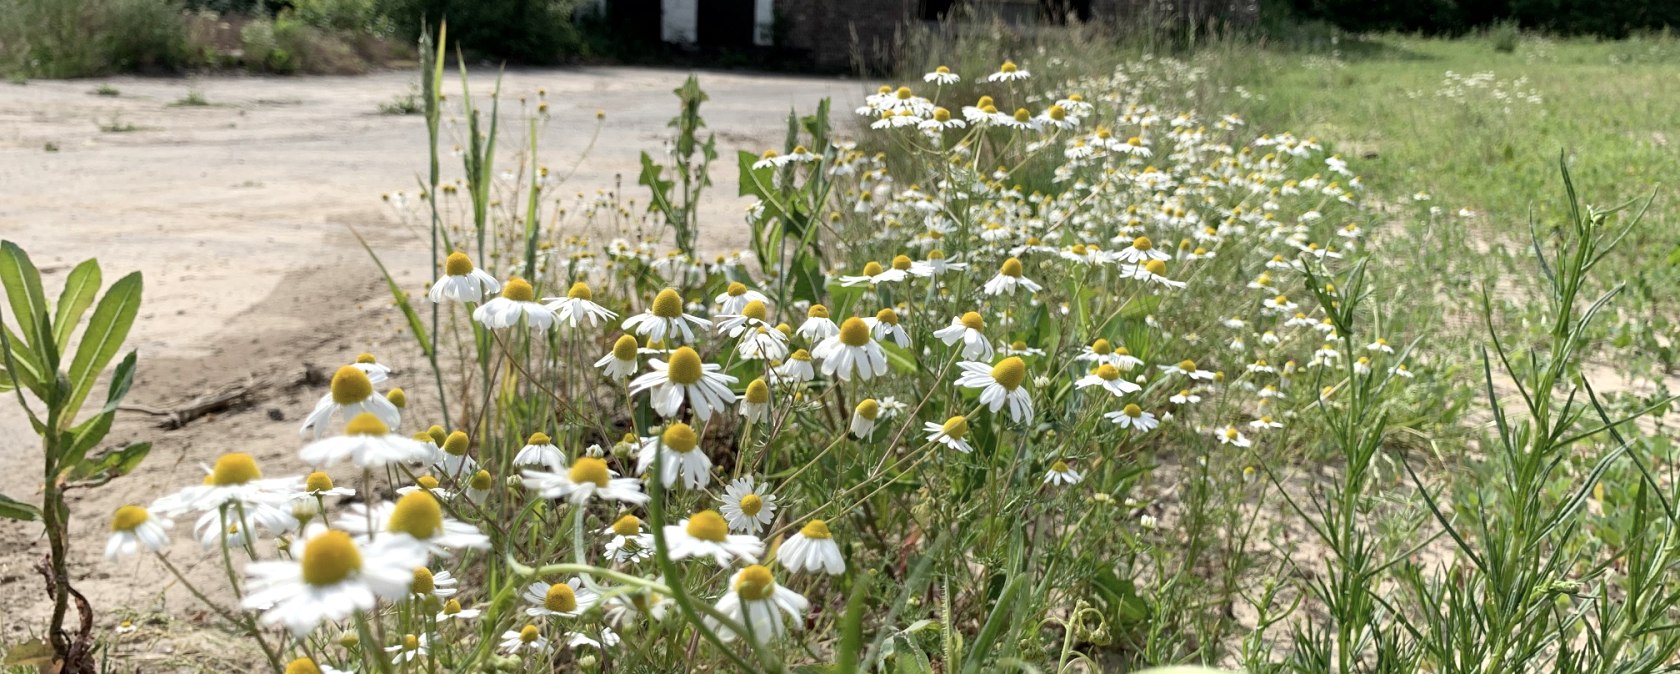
238,214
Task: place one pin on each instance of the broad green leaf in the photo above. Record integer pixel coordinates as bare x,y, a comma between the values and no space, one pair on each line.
1140,307
898,358
103,338
80,289
1002,611
85,435
17,510
22,282
112,464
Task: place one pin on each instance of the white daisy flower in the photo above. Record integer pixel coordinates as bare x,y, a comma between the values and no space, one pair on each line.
588,478
935,265
1379,345
629,544
1060,474
941,76
329,578
1008,278
412,647
755,405
817,326
539,450
578,306
796,369
461,282
425,584
874,274
884,325
1185,397
736,297
527,639
1008,72
685,378
517,302
812,550
376,372
620,363
706,534
452,611
678,452
756,601
1142,250
953,433
851,352
567,599
1108,377
999,385
1133,417
665,321
1155,272
746,510
969,329
306,665
1188,368
415,520
1231,436
453,459
1264,423
134,530
367,442
940,120
319,485
754,314
864,417
763,344
351,393
236,483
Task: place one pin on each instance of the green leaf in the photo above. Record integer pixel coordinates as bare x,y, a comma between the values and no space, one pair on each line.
17,510
1140,307
80,289
22,282
103,338
995,624
25,369
898,358
113,464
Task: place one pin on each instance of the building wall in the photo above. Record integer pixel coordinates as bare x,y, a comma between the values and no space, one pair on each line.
679,21
827,30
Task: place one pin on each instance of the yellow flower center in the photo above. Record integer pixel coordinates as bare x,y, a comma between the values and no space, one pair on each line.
1059,466
411,642
451,607
751,504
955,428
329,558
758,392
1134,141
518,290
817,311
941,115
350,385
756,310
628,525
590,470
1108,372
903,93
528,634
755,583
457,264
318,481
580,291
1010,372
887,316
437,434
302,666
398,398
539,438
456,444
769,154
365,358
853,332
423,582
816,529
680,437
736,289
560,598
667,304
481,480
1187,365
366,424
973,321
426,482
869,409
1021,115
1132,410
234,468
1058,113
707,525
1102,347
1156,267
1230,433
872,268
625,348
684,367
1011,267
901,262
129,517
801,355
417,514
984,102
1008,67
942,70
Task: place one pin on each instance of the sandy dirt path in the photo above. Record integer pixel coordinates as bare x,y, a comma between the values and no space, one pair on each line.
238,214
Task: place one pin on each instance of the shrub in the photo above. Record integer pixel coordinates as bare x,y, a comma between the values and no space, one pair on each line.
55,38
525,31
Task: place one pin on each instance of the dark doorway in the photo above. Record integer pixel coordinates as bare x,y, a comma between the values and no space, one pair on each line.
936,10
636,21
726,23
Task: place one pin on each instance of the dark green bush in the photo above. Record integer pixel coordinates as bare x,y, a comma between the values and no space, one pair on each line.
522,31
79,38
